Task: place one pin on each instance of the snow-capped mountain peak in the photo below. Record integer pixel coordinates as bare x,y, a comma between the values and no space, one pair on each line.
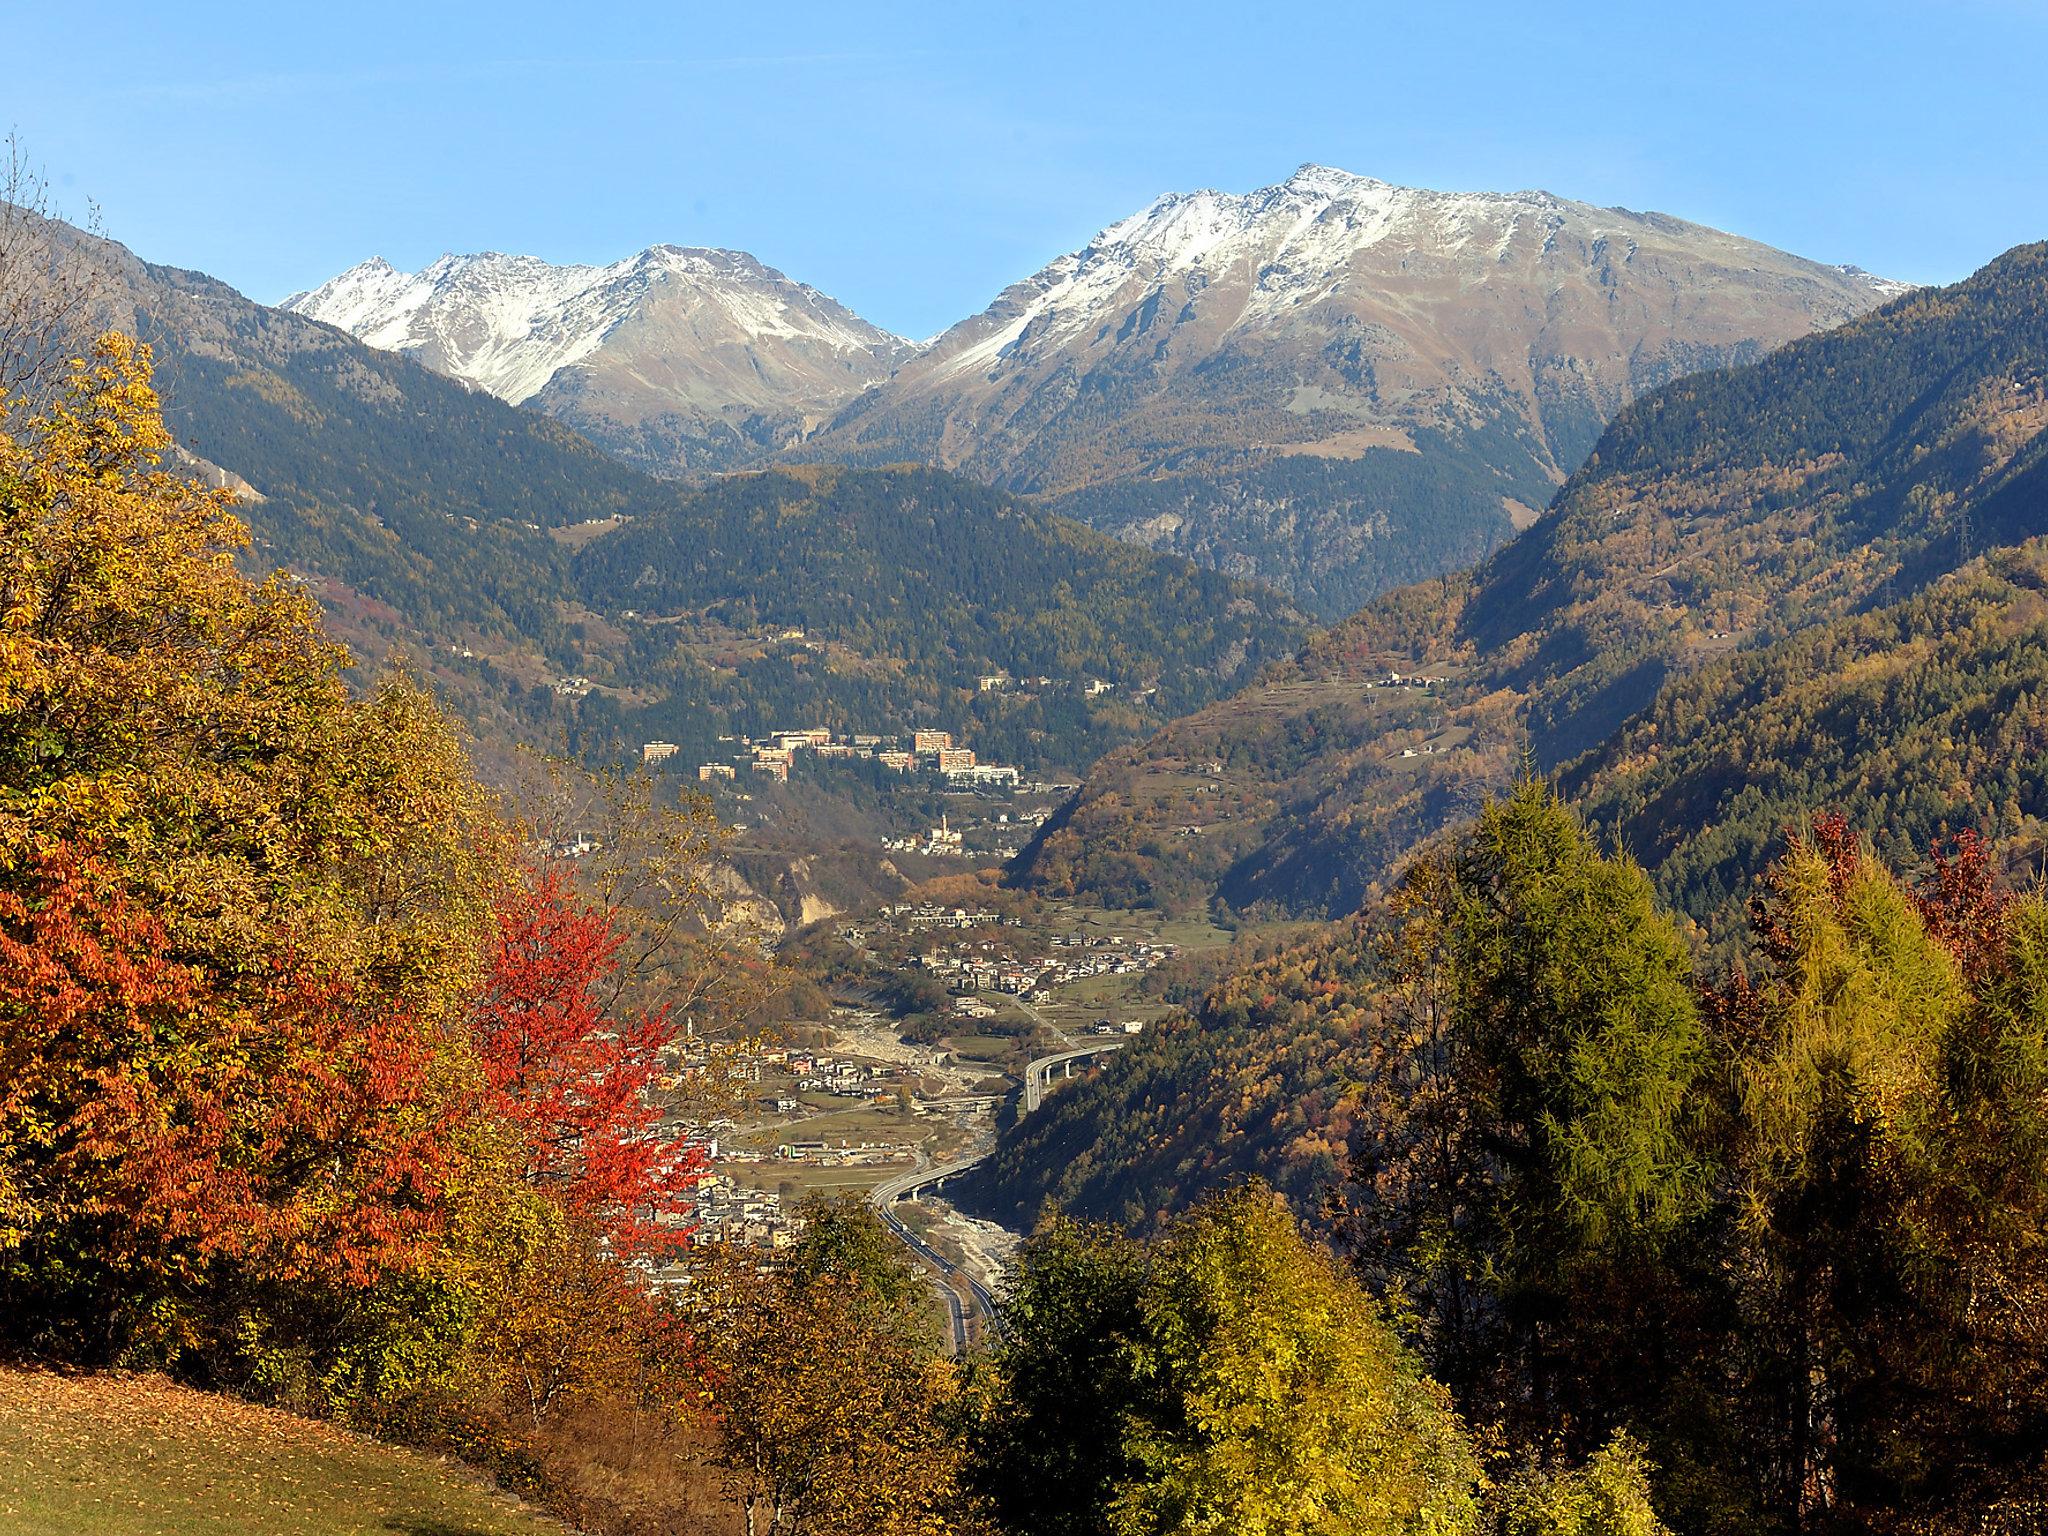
1319,235
663,352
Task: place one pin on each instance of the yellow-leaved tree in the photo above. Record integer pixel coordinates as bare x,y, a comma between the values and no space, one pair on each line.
1229,1378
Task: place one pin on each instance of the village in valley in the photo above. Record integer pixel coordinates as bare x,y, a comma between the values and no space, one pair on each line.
930,1007
993,808
938,1008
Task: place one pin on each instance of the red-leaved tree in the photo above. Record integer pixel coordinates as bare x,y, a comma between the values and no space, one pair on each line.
574,1077
161,1117
1963,905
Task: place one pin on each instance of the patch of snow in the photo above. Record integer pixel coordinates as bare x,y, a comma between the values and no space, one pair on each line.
1890,287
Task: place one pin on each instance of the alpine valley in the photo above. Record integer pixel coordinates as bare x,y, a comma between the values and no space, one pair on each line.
560,598
1366,863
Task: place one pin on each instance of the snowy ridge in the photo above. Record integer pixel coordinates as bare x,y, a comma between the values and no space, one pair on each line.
1290,246
509,324
1886,287
1330,314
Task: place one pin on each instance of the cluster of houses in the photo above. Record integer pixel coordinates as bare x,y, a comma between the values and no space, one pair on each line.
849,1079
972,966
1091,687
964,974
773,755
694,1059
727,1212
724,1209
945,838
1400,680
924,917
808,1072
1110,955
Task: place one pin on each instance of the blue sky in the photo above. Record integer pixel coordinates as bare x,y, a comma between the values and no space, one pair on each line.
912,159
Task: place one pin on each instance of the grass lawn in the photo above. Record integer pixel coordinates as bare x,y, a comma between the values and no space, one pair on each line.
833,1182
866,1122
136,1456
1088,991
981,1047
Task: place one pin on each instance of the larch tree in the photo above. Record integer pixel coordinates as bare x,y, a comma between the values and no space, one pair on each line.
1527,1145
1229,1378
1893,1162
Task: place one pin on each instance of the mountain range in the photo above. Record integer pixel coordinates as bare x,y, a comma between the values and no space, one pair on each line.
675,359
1331,384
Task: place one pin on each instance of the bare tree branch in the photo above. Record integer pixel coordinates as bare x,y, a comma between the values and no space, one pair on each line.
50,284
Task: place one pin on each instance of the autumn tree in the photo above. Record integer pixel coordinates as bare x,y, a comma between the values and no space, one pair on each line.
1893,1155
834,1407
1609,1495
1227,1378
1054,1440
576,1078
1526,1151
195,725
572,1327
652,862
238,912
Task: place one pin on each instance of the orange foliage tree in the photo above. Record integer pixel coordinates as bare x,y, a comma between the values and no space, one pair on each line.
298,1127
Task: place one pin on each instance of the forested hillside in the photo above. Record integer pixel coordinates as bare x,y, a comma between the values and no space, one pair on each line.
1719,516
1918,719
904,587
1777,1220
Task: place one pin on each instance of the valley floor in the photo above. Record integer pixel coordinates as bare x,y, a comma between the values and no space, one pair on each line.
137,1456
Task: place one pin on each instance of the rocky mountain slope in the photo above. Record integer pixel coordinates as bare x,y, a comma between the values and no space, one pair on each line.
1720,526
675,359
1333,383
